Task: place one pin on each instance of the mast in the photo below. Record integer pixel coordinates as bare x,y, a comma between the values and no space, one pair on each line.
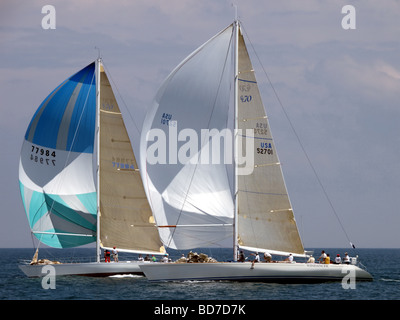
236,76
98,64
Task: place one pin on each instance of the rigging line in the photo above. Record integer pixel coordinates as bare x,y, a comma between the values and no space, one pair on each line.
33,243
122,99
72,144
300,143
208,125
80,118
41,235
231,106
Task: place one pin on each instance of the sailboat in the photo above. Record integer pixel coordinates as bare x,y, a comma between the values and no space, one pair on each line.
200,202
79,179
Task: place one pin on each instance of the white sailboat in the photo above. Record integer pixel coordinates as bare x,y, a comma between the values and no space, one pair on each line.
201,202
79,179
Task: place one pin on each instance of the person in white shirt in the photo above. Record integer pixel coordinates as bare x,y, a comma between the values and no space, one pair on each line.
338,259
322,258
289,259
115,254
346,258
256,259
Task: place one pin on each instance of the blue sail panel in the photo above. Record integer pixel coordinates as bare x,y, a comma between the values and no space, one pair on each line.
66,118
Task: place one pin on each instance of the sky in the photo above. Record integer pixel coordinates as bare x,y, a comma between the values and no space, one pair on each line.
339,87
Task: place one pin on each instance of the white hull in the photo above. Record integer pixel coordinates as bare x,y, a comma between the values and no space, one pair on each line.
263,272
94,269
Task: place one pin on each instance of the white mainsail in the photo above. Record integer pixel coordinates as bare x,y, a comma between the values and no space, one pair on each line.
194,203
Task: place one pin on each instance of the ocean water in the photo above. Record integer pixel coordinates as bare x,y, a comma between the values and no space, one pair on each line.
383,264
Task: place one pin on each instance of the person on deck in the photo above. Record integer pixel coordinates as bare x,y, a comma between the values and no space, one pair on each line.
241,257
107,256
327,259
322,258
115,254
346,258
267,257
289,258
256,259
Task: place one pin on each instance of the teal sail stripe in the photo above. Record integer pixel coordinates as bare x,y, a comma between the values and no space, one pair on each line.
58,207
89,200
42,209
35,205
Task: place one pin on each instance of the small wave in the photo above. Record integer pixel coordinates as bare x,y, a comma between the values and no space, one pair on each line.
196,281
390,280
126,276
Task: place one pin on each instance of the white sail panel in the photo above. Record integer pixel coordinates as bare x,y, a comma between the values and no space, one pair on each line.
192,202
265,216
125,216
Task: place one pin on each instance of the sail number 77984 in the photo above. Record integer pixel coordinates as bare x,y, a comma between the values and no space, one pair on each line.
43,155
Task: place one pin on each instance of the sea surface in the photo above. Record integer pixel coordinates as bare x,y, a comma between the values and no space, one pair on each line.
383,264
